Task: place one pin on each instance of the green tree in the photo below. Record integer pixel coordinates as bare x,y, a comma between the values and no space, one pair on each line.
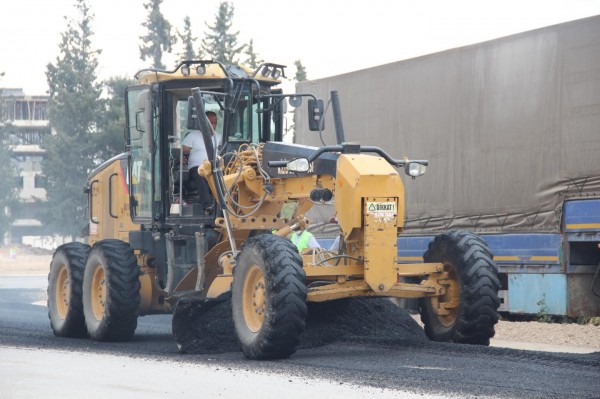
252,59
73,107
159,38
9,187
300,75
187,41
9,173
110,140
220,43
200,54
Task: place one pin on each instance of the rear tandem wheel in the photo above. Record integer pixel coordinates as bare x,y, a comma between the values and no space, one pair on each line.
111,296
65,308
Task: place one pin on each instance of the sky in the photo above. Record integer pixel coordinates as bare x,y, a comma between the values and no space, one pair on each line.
330,37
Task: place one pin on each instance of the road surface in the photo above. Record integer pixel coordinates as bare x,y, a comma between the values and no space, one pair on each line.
35,363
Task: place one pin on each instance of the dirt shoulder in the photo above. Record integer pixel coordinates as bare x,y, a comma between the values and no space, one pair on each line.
520,335
560,335
24,264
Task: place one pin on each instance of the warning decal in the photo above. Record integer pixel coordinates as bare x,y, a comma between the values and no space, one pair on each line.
382,208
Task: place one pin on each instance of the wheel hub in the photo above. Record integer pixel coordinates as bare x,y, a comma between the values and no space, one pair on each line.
63,292
254,298
98,292
447,303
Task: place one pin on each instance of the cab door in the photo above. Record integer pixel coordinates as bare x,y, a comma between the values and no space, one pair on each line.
142,137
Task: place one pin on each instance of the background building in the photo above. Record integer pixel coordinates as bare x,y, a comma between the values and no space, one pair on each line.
28,119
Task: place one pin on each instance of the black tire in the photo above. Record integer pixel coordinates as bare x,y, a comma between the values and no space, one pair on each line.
65,308
269,270
473,281
111,296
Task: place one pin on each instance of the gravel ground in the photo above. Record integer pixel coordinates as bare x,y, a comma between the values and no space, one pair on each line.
584,336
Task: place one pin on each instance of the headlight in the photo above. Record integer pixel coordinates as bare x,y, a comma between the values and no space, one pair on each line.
415,169
299,165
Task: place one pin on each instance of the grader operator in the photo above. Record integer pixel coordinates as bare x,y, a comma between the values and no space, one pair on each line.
152,245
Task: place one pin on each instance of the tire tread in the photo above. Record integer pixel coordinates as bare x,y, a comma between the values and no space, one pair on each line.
286,288
479,284
74,324
123,298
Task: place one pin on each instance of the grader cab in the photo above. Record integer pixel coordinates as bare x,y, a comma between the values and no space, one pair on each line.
154,247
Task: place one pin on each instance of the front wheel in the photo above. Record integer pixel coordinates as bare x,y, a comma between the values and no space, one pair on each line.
467,311
111,296
269,297
65,308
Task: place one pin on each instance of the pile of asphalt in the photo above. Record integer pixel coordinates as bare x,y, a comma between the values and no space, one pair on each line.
207,328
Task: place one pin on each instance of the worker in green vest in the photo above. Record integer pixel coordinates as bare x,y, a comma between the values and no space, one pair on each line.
303,239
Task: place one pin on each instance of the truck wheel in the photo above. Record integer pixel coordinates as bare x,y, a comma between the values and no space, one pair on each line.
269,297
471,298
65,308
111,296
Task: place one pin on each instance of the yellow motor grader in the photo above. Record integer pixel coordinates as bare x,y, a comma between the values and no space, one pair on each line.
154,245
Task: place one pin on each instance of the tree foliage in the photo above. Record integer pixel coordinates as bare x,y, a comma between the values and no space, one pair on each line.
252,59
220,43
9,188
110,139
74,106
9,173
300,75
159,38
188,41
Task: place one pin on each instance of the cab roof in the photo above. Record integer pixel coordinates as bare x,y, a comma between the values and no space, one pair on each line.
266,73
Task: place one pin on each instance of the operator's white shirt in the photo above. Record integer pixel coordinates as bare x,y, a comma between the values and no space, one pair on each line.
195,141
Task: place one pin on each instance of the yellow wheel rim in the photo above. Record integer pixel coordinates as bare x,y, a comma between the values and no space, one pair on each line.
254,298
449,301
63,292
98,293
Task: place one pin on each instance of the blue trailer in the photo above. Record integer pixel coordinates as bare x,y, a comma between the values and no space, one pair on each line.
511,129
552,273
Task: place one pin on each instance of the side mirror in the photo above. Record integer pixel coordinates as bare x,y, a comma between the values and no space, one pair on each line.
415,169
315,115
